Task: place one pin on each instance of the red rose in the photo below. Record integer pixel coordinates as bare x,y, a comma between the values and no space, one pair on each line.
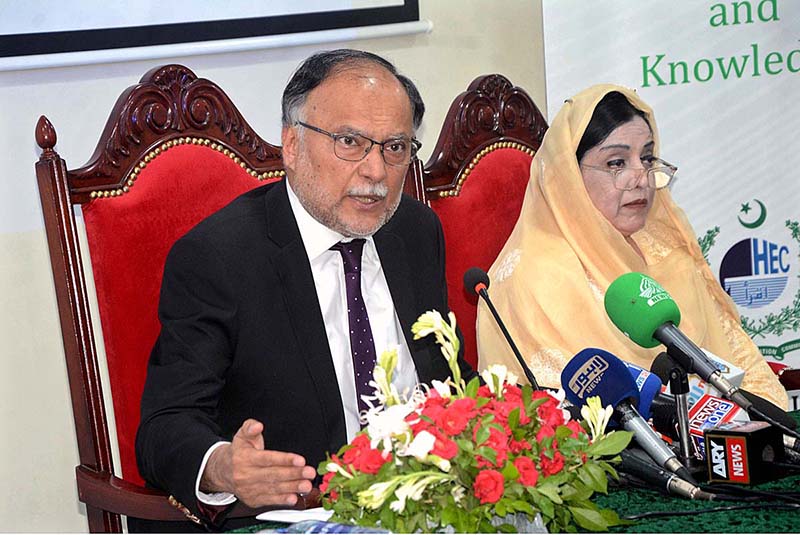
363,458
528,474
488,486
518,446
512,393
485,392
326,480
576,428
443,446
552,466
545,432
504,408
454,419
550,414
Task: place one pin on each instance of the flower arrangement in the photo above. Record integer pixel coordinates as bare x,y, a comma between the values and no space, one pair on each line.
470,457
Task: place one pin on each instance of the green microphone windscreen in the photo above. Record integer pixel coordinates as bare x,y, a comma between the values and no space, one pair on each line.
638,305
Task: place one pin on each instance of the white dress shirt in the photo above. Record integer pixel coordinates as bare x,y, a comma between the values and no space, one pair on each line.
328,272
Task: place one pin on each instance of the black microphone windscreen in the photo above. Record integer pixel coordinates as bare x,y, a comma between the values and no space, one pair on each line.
473,277
662,365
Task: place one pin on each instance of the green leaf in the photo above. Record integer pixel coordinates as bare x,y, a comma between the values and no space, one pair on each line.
450,515
472,388
513,418
612,518
611,444
590,519
500,508
510,472
488,453
544,504
594,477
551,492
482,435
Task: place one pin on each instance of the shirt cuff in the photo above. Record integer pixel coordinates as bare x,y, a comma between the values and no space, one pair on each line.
211,498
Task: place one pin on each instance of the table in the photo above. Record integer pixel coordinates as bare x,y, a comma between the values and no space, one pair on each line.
767,518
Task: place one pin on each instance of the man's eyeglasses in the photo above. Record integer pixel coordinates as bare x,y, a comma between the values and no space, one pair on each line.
659,174
355,147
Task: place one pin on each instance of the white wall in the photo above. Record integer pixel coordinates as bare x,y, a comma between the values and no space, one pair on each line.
38,453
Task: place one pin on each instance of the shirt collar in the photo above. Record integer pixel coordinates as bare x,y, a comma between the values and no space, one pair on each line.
316,237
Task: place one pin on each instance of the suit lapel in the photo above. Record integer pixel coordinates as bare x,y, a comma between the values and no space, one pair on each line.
300,297
394,261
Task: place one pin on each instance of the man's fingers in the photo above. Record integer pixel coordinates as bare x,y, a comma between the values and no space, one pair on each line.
250,434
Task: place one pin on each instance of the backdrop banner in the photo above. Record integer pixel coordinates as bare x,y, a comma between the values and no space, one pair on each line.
723,80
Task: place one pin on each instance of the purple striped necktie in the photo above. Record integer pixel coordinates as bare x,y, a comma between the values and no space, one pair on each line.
362,345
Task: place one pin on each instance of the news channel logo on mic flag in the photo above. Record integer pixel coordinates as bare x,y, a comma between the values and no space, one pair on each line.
755,253
586,378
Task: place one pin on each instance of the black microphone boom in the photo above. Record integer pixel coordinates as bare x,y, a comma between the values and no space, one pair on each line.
477,281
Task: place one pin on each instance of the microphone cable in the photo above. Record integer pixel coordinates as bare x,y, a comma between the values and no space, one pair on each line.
754,506
789,497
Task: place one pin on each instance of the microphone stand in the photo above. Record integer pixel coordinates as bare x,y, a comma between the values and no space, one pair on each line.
481,290
679,387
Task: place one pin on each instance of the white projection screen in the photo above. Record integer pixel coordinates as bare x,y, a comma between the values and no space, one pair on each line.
48,27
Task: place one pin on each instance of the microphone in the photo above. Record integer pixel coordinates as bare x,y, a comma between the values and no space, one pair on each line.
649,386
477,281
764,410
646,313
664,365
634,463
595,372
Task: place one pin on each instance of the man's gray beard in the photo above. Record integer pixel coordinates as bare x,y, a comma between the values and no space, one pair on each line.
330,218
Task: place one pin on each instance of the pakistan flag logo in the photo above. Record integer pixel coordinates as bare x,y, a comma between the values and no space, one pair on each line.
758,269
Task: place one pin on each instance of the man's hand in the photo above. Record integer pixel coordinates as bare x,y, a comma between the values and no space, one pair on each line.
258,477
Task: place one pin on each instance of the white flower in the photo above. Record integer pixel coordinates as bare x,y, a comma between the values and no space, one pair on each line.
420,447
496,376
428,323
333,467
596,416
442,388
440,463
384,425
458,493
377,493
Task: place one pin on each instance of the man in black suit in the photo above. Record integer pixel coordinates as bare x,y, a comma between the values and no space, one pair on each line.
252,379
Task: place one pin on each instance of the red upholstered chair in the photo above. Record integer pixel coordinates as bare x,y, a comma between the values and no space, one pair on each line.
174,150
475,181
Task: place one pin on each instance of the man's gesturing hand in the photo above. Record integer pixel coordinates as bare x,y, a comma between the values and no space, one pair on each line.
258,477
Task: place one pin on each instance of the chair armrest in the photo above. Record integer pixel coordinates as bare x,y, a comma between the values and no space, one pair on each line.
110,493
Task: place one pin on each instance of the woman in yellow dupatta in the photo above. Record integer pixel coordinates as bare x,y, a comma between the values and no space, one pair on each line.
592,213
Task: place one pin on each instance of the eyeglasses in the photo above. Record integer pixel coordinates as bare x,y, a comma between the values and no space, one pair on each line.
355,147
659,174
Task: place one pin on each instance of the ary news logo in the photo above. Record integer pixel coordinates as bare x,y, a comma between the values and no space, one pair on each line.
587,376
759,270
652,291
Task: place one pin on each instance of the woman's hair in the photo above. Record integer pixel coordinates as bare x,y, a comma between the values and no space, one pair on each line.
612,110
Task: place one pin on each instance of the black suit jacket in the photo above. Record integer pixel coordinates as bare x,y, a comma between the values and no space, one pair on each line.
242,335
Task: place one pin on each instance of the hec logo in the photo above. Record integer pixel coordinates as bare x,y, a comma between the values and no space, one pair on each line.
755,272
758,267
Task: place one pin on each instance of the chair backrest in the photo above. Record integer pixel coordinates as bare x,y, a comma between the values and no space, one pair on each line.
174,150
475,181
